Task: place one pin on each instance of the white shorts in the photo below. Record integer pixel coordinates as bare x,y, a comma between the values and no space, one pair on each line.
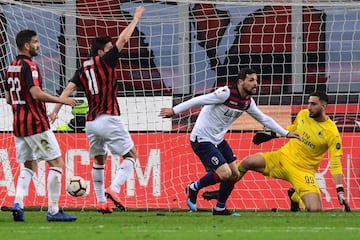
41,146
108,132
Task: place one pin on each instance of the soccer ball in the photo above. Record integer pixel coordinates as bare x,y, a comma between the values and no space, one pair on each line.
76,186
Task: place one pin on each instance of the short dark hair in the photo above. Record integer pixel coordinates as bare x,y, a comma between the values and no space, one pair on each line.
245,71
99,44
23,37
322,96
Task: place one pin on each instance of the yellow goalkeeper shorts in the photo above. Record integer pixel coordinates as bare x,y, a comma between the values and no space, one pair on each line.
277,166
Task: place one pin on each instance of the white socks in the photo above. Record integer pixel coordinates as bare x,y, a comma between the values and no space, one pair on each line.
23,185
54,189
98,180
126,168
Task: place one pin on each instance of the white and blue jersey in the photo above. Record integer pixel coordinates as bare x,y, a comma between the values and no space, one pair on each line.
220,109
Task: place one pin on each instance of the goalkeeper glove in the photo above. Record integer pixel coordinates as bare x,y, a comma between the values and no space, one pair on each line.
263,136
341,197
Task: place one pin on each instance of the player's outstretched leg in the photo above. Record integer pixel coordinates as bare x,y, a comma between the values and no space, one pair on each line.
103,208
294,206
60,217
191,197
114,196
18,213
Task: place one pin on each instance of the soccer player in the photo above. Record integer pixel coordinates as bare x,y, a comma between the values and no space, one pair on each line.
104,128
297,161
33,137
221,108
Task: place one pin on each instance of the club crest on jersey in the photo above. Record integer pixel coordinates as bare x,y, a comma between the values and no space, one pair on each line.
321,134
35,74
214,160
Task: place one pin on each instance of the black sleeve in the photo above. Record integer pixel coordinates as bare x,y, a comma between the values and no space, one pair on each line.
111,58
76,78
27,75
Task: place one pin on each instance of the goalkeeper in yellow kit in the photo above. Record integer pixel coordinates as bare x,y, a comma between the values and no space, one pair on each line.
298,160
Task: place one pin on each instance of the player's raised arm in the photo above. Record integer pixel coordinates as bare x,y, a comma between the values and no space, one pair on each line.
270,123
128,31
216,97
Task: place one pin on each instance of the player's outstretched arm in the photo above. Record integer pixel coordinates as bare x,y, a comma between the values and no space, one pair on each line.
265,136
166,112
217,97
70,88
293,135
42,96
128,31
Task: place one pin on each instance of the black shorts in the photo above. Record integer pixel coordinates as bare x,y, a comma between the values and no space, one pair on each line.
213,156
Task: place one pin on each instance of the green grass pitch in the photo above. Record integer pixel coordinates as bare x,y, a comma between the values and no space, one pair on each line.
184,225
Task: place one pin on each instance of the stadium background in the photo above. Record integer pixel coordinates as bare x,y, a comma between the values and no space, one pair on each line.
331,62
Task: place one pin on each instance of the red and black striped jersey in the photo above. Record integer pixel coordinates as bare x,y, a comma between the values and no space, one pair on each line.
29,114
98,78
236,101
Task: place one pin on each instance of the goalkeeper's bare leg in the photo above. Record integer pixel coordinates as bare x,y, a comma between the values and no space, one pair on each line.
242,171
310,196
312,202
254,163
209,195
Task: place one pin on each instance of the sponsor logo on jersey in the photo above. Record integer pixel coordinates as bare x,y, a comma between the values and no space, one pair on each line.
14,68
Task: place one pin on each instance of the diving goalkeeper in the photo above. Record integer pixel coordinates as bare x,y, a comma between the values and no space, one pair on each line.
297,161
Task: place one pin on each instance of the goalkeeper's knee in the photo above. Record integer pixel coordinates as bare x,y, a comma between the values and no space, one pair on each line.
242,171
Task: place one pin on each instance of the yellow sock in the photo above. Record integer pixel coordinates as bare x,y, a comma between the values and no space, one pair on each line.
242,171
296,198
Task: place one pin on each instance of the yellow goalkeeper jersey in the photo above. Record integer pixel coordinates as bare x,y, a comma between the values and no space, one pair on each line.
317,138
